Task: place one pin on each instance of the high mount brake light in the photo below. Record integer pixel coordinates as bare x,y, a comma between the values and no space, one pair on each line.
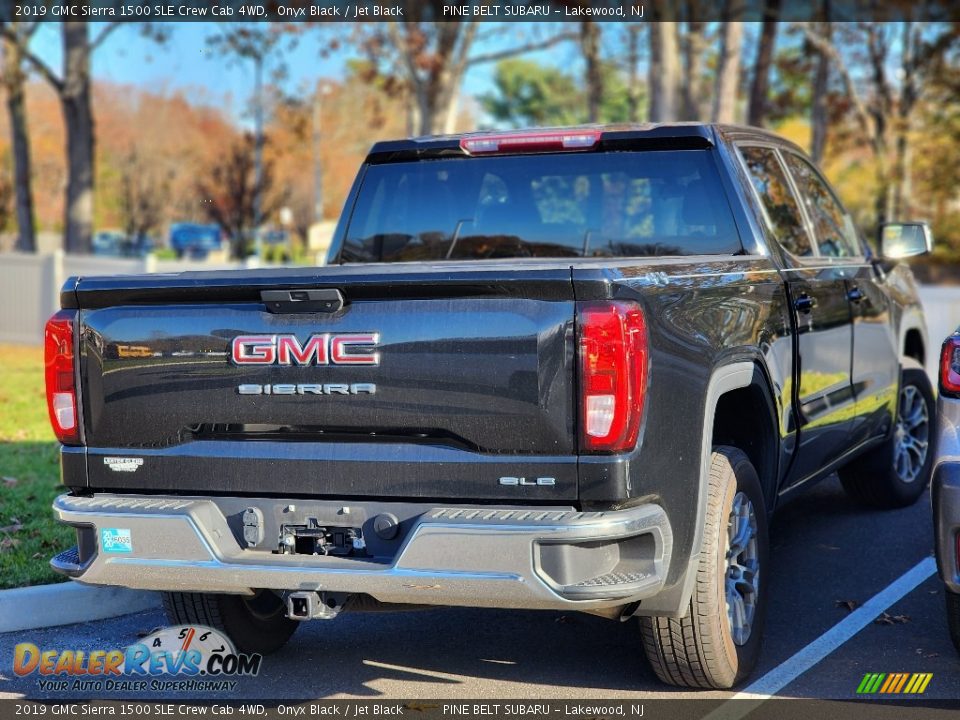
950,366
60,374
529,142
613,375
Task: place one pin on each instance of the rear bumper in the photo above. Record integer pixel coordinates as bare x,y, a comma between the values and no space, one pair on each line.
945,495
518,557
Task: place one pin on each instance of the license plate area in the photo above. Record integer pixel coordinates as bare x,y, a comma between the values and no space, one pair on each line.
316,539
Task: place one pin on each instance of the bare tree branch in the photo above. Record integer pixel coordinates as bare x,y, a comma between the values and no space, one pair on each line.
520,49
98,40
39,65
827,48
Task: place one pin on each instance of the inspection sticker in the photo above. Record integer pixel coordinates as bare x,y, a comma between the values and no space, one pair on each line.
116,540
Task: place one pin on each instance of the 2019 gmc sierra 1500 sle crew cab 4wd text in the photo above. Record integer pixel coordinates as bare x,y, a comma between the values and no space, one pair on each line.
569,369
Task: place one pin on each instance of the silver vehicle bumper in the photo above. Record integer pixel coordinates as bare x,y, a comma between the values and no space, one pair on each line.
945,495
478,556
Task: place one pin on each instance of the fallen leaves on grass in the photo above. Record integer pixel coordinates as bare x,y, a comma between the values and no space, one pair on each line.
849,605
14,526
7,543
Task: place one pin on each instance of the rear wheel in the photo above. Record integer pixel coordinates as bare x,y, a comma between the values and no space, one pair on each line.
717,644
255,624
896,473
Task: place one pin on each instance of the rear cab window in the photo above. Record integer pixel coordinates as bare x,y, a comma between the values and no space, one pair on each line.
783,215
573,204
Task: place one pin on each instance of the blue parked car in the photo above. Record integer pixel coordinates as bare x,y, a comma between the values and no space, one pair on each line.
194,240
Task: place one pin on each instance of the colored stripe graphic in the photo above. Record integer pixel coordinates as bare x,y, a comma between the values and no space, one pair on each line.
894,683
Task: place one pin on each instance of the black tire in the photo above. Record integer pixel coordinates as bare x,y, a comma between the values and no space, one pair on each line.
255,625
699,650
953,617
877,478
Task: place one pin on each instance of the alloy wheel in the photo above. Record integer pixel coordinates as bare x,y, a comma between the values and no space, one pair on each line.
912,434
742,579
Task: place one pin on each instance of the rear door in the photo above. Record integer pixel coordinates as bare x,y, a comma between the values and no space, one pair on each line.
823,397
875,360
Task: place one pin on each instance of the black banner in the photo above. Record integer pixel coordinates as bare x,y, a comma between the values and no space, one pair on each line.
452,11
755,709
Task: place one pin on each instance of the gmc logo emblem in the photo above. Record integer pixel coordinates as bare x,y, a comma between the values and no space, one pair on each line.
321,349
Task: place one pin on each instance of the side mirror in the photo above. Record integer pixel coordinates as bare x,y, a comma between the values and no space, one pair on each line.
903,240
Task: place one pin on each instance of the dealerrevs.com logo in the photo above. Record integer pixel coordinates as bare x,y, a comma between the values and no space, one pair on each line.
174,659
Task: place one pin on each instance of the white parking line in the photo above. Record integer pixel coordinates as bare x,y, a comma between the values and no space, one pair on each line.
789,670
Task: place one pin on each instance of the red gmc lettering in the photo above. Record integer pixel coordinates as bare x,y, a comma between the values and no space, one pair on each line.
320,349
340,344
254,349
289,351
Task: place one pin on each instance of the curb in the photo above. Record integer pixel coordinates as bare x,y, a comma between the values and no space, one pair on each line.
67,603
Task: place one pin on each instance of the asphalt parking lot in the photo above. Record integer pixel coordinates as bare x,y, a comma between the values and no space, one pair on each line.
828,555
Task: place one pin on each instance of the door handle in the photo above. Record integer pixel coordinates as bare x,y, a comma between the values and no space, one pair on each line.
855,295
804,304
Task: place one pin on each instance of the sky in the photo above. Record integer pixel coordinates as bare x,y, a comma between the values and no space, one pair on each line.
186,62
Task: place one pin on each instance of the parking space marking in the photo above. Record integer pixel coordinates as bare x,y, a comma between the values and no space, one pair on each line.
790,669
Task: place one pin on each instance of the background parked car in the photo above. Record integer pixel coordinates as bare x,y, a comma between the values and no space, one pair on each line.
195,240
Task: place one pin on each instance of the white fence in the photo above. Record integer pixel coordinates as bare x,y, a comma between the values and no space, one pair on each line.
30,285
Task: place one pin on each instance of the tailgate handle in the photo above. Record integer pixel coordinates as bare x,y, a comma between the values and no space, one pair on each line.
327,300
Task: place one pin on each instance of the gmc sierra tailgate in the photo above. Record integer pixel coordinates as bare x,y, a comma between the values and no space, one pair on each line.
429,381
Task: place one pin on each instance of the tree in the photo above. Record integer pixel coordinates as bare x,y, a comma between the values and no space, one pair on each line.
728,65
14,81
593,77
819,117
232,189
425,61
73,88
884,113
693,45
256,44
664,68
633,75
528,93
144,194
760,87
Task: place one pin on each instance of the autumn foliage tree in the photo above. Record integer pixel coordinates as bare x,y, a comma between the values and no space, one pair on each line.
230,192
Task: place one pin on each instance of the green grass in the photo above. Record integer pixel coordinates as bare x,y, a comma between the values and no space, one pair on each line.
29,473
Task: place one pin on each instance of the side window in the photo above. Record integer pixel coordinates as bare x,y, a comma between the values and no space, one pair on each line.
834,229
783,210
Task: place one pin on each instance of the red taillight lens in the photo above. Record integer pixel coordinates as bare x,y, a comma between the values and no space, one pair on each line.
950,366
613,375
60,374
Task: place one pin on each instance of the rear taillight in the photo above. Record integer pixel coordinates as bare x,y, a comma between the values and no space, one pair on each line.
613,375
520,142
950,366
60,376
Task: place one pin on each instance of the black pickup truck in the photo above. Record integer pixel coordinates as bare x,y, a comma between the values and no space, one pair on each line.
571,369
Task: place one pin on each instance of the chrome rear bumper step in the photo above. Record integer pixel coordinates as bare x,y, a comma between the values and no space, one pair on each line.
483,557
